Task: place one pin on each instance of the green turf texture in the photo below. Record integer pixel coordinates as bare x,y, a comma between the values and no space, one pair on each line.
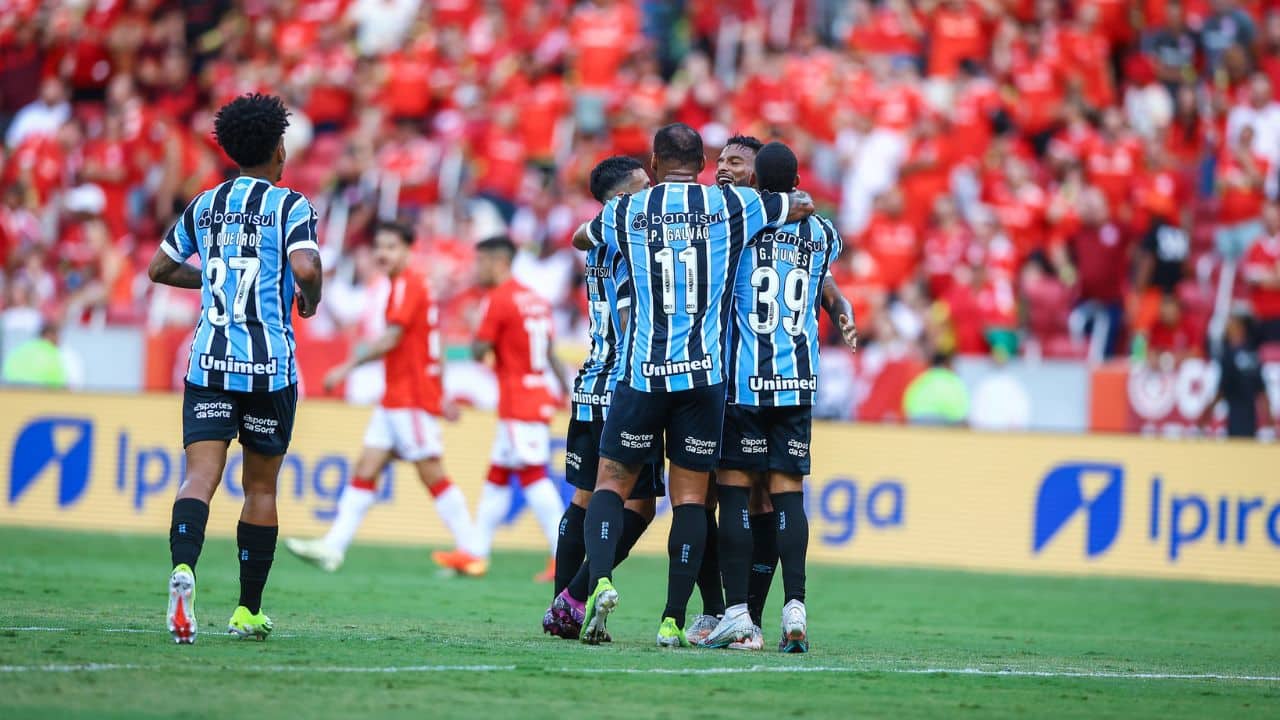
388,607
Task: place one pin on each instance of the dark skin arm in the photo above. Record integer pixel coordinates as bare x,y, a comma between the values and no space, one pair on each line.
164,270
580,239
309,275
800,206
840,312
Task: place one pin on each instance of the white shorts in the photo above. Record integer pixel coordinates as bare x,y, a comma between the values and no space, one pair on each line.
410,433
521,444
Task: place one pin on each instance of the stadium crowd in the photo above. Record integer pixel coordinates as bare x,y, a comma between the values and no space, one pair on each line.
1069,179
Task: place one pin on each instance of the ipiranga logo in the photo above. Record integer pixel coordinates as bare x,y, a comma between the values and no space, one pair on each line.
1096,489
62,443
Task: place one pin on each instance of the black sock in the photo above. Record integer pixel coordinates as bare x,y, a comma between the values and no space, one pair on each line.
602,529
257,549
793,541
709,573
684,554
735,543
633,526
570,549
764,561
186,531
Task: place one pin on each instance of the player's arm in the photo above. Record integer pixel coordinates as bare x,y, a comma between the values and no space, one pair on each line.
490,329
799,205
169,266
596,230
840,311
376,350
304,254
581,237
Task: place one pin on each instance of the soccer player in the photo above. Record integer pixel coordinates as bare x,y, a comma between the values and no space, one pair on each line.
773,369
516,330
255,241
609,295
406,425
680,241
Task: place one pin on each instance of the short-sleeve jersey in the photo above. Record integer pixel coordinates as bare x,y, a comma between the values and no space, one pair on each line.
517,322
414,374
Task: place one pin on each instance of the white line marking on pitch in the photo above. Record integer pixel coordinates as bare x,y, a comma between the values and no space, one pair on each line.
33,628
1091,675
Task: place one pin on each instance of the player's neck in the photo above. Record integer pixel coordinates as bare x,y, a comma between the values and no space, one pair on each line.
259,173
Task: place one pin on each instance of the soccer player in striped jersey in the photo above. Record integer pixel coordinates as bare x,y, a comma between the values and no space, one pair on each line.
609,301
773,380
256,241
406,424
681,242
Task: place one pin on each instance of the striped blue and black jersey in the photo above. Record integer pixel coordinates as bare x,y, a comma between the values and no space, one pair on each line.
608,295
773,356
681,243
244,231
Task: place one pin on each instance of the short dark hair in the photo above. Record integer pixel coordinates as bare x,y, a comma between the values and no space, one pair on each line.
498,244
679,143
609,174
402,230
249,128
776,168
749,142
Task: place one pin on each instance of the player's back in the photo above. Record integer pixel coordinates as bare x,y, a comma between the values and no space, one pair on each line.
682,242
518,323
773,357
414,376
244,230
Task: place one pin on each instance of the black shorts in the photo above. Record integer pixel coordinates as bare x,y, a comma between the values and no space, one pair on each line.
582,462
689,421
760,439
262,420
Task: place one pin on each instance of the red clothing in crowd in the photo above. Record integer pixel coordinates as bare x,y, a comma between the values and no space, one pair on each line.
894,243
956,34
1101,256
1263,258
603,37
1112,167
1239,200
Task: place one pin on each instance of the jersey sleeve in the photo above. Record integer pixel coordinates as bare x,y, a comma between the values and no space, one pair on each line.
622,280
603,228
490,321
300,227
835,243
180,243
761,210
405,302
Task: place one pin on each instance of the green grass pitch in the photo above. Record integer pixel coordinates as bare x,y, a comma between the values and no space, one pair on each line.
82,637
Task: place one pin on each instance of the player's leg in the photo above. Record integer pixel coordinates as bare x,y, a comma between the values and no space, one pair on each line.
208,425
764,550
420,441
328,552
709,583
266,426
533,447
495,496
792,428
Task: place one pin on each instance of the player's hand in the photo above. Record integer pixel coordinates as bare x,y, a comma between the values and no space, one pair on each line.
305,308
334,377
849,332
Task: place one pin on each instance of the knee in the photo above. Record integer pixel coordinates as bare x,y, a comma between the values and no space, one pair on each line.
644,508
616,477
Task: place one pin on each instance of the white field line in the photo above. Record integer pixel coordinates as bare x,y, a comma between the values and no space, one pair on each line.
391,669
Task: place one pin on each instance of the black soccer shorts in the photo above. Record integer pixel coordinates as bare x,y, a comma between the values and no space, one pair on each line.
762,439
582,462
688,420
263,421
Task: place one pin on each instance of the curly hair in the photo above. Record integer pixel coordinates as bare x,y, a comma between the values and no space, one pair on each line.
607,176
747,141
249,128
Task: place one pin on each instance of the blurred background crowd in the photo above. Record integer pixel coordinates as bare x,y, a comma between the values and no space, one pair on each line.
1014,178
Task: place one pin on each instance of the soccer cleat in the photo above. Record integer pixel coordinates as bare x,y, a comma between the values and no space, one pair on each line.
754,642
315,552
182,606
670,635
701,628
734,627
564,617
795,638
244,624
548,574
603,600
462,562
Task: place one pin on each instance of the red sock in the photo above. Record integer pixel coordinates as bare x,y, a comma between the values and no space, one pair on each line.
531,474
439,487
363,483
499,475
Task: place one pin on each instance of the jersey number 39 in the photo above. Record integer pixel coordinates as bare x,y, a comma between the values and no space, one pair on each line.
795,291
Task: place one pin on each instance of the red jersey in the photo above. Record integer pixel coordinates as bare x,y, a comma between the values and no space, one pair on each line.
895,245
1263,258
415,377
1112,166
517,322
1239,200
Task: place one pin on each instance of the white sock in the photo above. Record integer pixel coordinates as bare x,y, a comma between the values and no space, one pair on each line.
353,505
547,506
495,501
452,507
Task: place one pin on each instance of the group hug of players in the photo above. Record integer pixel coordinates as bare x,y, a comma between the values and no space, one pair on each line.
703,306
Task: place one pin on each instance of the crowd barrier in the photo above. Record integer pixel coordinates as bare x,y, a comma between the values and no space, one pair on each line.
878,495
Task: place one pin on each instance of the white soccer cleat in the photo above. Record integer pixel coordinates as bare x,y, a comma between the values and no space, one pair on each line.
755,642
700,628
315,552
734,627
795,631
182,607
